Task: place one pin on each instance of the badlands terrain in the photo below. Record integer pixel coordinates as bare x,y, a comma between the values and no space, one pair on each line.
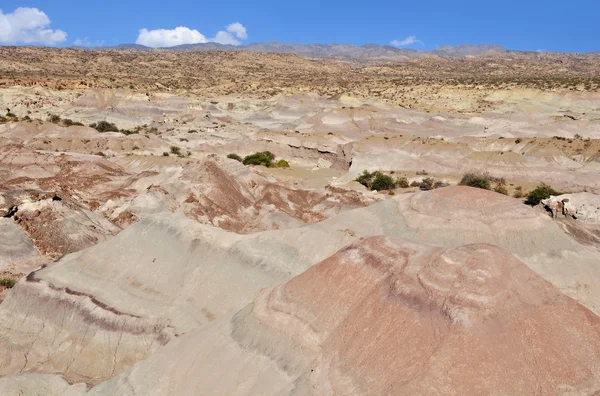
144,252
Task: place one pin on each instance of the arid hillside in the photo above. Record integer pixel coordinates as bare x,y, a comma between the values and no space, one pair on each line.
243,223
263,75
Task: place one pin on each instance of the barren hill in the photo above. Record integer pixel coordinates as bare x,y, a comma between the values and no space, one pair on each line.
184,222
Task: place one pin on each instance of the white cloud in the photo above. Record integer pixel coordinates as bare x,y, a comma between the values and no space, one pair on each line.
169,38
232,35
238,29
225,38
84,42
28,25
410,40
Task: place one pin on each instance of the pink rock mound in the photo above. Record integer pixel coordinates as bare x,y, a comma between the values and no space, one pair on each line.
386,316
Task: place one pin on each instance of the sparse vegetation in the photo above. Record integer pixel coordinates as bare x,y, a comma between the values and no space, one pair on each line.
283,164
100,153
518,192
427,184
234,156
402,182
501,189
263,158
104,126
376,181
382,182
8,283
68,122
477,180
365,178
175,150
543,191
53,118
165,154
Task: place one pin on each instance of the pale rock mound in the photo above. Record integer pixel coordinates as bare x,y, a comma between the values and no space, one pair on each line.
583,206
94,313
39,385
167,275
388,316
17,252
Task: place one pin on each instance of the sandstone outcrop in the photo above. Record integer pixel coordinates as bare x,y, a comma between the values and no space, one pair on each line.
386,315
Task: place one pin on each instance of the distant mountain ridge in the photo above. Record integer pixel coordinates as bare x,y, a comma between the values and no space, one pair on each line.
331,51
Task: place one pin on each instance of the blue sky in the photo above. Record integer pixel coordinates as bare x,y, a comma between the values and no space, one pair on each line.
547,25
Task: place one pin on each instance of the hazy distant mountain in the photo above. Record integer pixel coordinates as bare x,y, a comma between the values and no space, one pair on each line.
467,49
133,46
333,51
343,51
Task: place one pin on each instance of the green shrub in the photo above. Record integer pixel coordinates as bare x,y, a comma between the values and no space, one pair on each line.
543,191
175,150
376,181
415,184
104,126
165,154
283,164
264,158
427,184
476,180
101,154
366,178
402,182
11,115
7,282
234,156
382,182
